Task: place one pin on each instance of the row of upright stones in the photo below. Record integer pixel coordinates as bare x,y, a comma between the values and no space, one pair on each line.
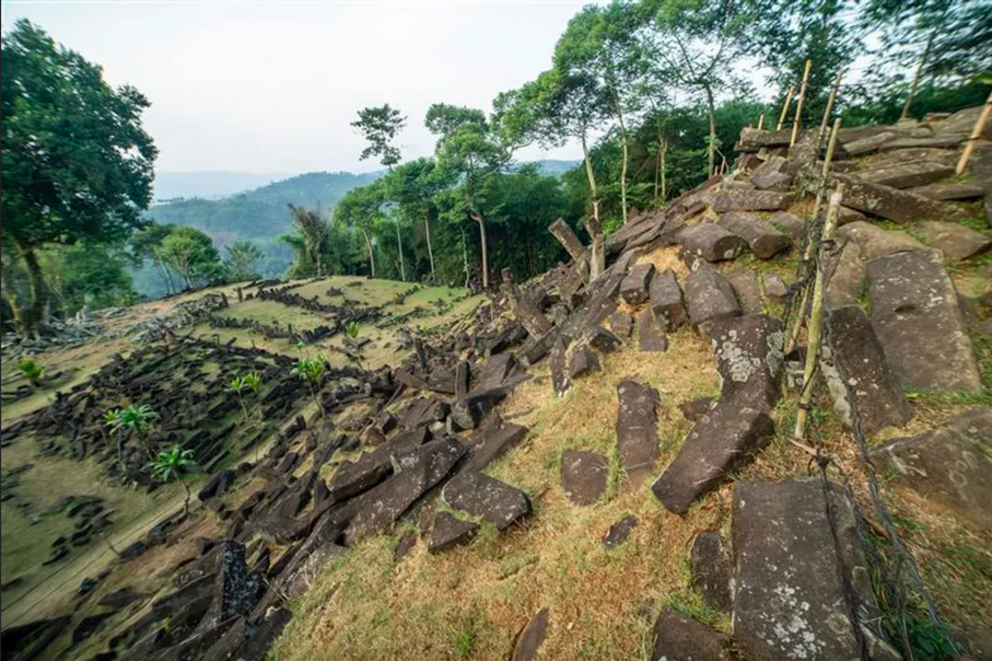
790,598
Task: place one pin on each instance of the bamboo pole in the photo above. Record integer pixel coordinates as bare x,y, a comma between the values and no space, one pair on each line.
816,319
830,108
799,103
976,133
785,108
793,337
761,122
916,77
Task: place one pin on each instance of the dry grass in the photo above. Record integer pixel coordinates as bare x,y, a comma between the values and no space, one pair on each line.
665,258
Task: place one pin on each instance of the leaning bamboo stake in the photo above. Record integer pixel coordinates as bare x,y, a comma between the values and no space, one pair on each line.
790,342
761,122
976,133
830,108
816,319
785,108
799,103
916,77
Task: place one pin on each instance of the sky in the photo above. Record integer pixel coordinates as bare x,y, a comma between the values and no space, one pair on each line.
273,86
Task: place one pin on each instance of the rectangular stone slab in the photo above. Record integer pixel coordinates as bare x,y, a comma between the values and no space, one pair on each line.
722,440
894,204
790,600
908,175
666,300
634,288
915,314
637,430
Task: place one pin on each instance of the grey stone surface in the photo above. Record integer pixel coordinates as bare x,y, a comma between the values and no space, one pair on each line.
482,496
712,570
637,430
622,324
749,357
530,637
772,175
720,442
491,441
678,637
583,361
560,379
750,200
957,242
762,238
651,337
710,242
964,190
775,288
666,300
449,531
583,476
867,144
846,273
915,314
908,175
873,241
602,340
790,224
857,375
619,532
748,290
709,297
789,600
894,204
634,288
946,468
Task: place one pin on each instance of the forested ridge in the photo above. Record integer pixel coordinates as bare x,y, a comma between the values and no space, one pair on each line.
655,92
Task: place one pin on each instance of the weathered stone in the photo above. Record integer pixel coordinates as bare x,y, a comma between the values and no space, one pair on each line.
405,544
915,314
383,504
651,337
945,468
772,175
493,440
560,380
789,224
637,430
709,241
89,625
709,297
964,190
957,242
867,145
873,241
749,356
619,532
217,485
482,496
712,570
694,409
750,200
908,175
583,476
847,215
602,340
582,361
745,284
894,204
530,637
789,600
449,531
857,375
469,411
463,376
634,288
847,274
764,240
752,139
974,425
666,300
678,637
940,142
355,477
775,288
622,324
720,442
237,588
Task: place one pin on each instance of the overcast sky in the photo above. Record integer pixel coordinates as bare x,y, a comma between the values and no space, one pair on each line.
273,86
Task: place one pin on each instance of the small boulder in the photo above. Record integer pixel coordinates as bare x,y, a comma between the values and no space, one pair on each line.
745,284
637,430
449,531
710,242
582,361
764,240
619,532
666,300
775,288
486,497
712,570
709,297
530,637
651,337
789,224
678,637
583,476
634,288
957,242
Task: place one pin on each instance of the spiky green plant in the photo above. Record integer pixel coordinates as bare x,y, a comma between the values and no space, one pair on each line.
352,329
171,465
240,384
133,418
33,371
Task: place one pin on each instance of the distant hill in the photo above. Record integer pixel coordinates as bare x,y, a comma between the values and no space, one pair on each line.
555,168
210,185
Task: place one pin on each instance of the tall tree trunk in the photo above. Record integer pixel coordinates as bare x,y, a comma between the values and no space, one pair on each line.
663,166
430,248
711,148
465,260
15,309
478,217
39,294
399,249
916,76
597,263
368,242
623,164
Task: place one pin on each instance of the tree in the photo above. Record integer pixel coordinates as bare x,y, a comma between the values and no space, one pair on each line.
172,464
314,230
241,259
413,186
475,147
143,244
90,274
76,162
191,254
360,208
696,42
380,125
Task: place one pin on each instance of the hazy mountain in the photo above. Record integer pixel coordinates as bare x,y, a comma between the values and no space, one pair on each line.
209,185
555,168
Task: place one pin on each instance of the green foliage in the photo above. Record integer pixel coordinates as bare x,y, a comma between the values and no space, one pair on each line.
132,417
91,274
380,125
310,370
172,463
33,370
191,254
314,229
352,329
926,640
242,259
65,130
